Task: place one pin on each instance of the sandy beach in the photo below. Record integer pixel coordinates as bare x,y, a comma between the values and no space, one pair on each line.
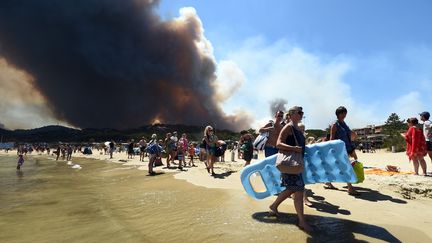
399,203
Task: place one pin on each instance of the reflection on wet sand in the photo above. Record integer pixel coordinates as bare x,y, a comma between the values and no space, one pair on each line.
105,202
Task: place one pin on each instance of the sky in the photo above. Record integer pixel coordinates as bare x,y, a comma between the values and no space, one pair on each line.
373,57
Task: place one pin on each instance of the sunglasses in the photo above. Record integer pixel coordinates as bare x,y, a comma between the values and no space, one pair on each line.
300,113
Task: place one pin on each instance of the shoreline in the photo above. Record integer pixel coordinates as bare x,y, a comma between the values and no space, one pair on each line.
228,172
383,201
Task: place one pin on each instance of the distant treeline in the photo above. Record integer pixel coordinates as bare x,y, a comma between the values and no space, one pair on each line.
50,134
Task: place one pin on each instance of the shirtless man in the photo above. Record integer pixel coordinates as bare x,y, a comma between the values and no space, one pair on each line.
142,145
273,128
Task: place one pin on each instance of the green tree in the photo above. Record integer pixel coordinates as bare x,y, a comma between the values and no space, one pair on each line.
252,131
393,128
316,133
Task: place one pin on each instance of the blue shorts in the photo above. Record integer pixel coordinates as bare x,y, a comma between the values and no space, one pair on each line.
270,150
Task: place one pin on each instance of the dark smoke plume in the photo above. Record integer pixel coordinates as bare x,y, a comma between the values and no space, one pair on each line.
278,104
113,63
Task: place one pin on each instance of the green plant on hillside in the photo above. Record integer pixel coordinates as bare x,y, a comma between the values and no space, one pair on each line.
393,127
316,133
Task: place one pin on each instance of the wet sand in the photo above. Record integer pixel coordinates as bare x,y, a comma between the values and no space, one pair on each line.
195,206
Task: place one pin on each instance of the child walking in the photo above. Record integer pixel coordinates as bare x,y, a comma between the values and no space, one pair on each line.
20,161
191,152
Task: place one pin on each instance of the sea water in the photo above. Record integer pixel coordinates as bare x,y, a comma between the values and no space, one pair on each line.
48,201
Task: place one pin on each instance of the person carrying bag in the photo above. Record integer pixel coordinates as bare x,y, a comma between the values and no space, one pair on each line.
290,162
291,145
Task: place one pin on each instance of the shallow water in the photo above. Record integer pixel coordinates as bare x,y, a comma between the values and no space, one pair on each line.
104,202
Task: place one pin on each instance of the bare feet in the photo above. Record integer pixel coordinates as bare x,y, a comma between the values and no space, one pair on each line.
273,211
307,202
353,192
305,227
330,186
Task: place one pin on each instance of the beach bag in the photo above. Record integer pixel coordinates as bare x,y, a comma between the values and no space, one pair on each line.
289,162
260,141
219,151
359,171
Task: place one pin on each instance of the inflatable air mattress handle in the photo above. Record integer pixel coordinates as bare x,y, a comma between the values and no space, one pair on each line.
269,173
324,162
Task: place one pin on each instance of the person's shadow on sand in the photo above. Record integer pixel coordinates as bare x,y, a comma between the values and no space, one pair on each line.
329,229
321,205
156,174
327,207
375,196
222,175
170,168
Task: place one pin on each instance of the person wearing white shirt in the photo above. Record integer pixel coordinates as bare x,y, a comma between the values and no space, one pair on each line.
427,131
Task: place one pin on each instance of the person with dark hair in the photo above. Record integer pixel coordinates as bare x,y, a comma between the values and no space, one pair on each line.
246,145
427,132
191,152
416,145
111,149
340,130
69,152
142,146
168,148
273,128
174,144
20,161
58,151
183,146
131,149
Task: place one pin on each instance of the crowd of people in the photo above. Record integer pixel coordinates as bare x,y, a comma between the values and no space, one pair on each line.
288,135
284,133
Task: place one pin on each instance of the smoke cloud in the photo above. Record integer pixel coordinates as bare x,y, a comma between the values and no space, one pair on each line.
21,105
278,104
115,63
